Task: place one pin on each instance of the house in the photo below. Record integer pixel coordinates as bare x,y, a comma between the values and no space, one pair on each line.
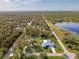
47,43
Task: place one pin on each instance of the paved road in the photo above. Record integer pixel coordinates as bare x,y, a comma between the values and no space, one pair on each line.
49,54
70,55
10,51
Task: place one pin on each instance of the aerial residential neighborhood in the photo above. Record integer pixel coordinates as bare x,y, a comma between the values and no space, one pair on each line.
39,29
38,37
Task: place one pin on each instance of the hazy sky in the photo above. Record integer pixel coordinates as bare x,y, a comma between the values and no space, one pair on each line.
39,5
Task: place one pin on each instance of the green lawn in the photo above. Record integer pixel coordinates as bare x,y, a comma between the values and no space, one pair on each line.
52,57
76,36
56,57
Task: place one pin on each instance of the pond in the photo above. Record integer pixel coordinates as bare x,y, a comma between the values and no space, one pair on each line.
69,26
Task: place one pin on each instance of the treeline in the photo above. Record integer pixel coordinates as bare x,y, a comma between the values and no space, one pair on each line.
71,42
63,17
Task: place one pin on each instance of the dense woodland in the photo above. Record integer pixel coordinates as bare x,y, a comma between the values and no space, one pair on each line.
11,28
71,42
55,17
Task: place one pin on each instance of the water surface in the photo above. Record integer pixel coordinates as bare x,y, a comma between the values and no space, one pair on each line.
72,27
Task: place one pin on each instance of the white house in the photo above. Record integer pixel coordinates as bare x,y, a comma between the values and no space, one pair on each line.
47,43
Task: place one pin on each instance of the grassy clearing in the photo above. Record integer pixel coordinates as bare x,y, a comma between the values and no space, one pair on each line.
53,57
75,36
56,57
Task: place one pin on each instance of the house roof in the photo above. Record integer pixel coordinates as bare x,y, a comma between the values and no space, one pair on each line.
47,43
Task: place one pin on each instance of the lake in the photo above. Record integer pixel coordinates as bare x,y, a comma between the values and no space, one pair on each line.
67,26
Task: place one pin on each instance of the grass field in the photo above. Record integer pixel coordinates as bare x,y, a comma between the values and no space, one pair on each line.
75,36
56,57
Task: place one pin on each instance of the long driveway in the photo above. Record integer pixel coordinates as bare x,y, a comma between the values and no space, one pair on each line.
10,51
70,55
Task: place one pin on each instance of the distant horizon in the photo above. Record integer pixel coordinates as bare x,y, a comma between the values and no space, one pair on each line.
39,11
39,5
